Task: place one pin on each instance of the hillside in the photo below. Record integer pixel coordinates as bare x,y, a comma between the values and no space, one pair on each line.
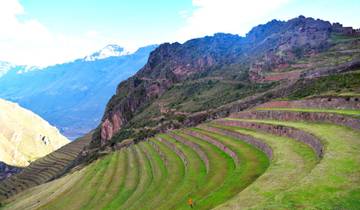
185,84
72,96
44,169
280,155
266,121
24,136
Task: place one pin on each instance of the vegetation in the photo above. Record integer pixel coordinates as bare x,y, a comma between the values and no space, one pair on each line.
330,184
44,169
349,112
333,85
168,169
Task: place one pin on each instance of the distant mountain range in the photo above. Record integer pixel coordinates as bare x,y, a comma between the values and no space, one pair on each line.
71,96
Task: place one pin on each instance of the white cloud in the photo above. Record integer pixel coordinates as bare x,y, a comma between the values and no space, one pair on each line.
231,16
29,42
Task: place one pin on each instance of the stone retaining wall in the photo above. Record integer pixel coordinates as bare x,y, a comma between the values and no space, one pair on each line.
319,102
243,137
173,147
216,143
161,154
338,119
194,146
280,130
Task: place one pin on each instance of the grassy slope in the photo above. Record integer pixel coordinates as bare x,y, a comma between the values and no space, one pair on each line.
176,173
195,176
131,181
291,162
335,181
144,180
220,167
38,196
159,173
338,84
253,163
139,178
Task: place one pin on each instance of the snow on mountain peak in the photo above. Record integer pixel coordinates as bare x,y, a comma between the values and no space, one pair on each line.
5,67
108,51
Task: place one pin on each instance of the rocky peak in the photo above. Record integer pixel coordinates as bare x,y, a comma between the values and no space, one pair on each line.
265,47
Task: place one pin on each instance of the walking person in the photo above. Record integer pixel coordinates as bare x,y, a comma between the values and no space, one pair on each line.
190,202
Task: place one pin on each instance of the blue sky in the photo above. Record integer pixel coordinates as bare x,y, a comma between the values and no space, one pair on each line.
44,32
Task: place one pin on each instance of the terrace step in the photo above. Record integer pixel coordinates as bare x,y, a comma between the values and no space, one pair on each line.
280,115
175,173
279,130
194,177
53,165
290,159
158,172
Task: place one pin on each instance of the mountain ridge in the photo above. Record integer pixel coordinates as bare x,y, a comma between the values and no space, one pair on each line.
21,128
71,96
266,49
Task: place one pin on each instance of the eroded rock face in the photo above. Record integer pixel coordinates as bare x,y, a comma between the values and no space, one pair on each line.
110,126
167,65
265,48
300,37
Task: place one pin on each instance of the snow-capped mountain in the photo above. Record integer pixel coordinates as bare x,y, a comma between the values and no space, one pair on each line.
111,50
5,67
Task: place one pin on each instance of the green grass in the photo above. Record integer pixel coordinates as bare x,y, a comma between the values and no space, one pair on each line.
335,182
117,181
45,168
103,184
253,163
131,181
80,192
175,177
159,174
349,112
338,83
194,179
291,162
151,175
144,181
220,167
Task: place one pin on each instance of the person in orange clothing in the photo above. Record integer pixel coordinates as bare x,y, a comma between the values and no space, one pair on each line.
190,202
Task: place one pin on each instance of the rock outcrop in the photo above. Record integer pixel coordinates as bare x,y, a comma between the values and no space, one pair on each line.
265,48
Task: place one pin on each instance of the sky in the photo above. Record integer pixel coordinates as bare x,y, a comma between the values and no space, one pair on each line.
48,32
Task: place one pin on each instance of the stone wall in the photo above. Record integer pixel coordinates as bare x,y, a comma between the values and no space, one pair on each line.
242,137
194,146
214,142
338,119
280,130
350,102
173,147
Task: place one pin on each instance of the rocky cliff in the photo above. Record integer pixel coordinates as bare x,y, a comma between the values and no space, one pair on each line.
227,59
